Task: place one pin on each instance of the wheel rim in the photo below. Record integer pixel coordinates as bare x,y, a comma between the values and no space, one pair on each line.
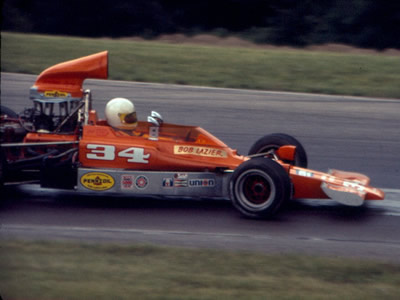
255,190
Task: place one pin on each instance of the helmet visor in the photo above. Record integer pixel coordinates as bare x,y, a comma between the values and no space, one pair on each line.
130,118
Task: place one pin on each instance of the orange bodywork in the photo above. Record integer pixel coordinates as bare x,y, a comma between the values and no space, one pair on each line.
176,147
35,137
308,184
190,149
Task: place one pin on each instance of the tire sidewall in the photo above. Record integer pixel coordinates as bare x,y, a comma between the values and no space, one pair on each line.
276,140
274,174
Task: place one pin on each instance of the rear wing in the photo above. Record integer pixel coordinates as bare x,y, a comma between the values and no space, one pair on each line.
64,81
58,95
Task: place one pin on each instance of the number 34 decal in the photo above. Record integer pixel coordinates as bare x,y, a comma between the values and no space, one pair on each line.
107,152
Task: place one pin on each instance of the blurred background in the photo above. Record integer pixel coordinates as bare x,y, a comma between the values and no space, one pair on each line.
361,23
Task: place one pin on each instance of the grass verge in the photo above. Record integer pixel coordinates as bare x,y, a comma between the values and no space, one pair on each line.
249,68
61,270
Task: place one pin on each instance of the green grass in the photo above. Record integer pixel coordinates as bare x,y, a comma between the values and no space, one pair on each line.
150,61
61,270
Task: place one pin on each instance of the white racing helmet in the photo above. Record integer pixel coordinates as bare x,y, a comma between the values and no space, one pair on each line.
121,114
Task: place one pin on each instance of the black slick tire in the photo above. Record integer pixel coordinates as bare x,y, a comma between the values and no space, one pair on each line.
7,111
276,140
259,187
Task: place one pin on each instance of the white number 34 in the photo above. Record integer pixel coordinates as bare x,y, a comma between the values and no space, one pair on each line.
107,152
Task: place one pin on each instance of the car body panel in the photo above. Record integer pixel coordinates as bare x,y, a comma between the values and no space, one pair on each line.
185,148
154,159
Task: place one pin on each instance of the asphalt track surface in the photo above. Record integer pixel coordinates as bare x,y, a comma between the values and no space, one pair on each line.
348,133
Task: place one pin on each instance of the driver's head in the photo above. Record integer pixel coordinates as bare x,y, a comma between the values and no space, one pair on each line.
121,114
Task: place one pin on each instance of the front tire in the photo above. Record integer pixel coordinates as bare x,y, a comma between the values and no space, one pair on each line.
259,187
276,140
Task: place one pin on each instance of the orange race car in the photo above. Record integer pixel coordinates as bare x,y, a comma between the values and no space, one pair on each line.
61,143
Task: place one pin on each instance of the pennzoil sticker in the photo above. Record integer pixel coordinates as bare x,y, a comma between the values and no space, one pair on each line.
55,94
97,181
200,151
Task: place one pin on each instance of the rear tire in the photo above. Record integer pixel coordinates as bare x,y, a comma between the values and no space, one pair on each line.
259,187
7,111
276,140
10,128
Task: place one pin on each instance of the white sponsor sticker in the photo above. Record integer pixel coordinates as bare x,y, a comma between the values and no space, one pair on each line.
127,182
199,151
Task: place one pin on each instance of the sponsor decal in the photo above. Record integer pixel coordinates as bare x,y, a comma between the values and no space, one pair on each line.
181,180
141,182
304,173
354,185
206,182
181,176
153,133
168,182
55,94
97,181
328,178
127,182
199,151
180,183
